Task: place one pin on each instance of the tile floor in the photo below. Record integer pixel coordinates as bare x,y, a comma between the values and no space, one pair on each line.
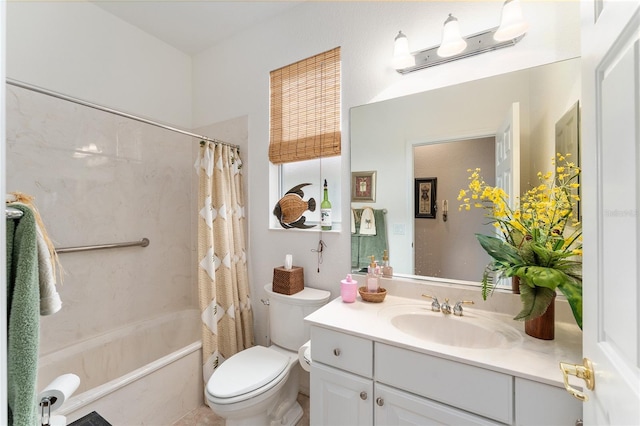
203,416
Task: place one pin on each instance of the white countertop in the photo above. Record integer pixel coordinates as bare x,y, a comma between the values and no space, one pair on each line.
529,358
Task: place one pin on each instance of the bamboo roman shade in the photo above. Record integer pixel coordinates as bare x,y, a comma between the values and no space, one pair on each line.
305,109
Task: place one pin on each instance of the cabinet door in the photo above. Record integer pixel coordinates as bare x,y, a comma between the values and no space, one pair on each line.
540,404
339,398
395,407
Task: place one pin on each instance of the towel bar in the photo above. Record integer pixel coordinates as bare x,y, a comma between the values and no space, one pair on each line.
12,213
142,243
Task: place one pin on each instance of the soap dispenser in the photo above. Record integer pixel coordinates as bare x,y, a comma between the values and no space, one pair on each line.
348,289
373,273
387,271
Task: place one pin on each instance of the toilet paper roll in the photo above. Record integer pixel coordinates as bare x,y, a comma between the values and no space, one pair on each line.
288,261
61,388
304,356
57,420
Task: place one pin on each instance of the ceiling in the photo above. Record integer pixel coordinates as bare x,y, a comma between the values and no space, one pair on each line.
193,26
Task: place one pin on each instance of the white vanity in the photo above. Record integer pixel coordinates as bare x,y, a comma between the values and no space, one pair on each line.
398,362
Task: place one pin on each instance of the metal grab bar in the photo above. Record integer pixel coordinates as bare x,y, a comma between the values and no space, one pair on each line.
142,243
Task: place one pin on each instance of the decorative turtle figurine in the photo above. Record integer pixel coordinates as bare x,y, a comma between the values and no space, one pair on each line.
291,206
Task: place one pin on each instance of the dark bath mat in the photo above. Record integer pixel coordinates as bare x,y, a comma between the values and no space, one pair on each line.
91,419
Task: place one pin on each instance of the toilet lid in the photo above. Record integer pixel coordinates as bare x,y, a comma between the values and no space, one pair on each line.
246,371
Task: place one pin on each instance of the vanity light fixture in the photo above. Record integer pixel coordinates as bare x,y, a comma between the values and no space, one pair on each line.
453,47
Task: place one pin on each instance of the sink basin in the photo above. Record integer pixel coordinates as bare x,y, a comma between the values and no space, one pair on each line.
473,330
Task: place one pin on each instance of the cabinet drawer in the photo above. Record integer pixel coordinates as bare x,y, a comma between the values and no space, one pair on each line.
342,351
473,389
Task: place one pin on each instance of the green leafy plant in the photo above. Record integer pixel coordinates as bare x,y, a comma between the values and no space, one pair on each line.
539,240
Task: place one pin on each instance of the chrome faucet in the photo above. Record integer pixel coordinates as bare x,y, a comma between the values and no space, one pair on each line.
457,309
435,305
445,307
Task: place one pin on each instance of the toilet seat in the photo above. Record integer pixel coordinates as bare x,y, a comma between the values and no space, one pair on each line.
246,374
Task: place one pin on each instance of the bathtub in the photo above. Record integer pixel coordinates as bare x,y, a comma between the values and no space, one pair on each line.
147,373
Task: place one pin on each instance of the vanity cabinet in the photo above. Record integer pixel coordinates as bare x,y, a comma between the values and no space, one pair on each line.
356,381
345,392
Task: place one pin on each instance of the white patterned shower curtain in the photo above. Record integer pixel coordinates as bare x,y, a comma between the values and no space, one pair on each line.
227,318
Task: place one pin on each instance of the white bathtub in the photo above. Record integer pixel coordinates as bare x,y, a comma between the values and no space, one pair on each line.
148,373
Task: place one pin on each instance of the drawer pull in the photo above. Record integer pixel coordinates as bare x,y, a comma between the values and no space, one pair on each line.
363,395
380,401
336,352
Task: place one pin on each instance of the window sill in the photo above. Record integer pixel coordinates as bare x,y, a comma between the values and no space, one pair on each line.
336,228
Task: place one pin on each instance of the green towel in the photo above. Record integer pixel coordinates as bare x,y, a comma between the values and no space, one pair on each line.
23,316
365,246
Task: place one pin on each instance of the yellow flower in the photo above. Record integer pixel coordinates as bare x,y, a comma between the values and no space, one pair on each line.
544,213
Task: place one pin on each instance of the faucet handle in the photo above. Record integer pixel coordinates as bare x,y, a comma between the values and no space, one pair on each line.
435,305
457,309
446,307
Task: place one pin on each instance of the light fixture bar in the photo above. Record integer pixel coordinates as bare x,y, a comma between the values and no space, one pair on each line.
476,43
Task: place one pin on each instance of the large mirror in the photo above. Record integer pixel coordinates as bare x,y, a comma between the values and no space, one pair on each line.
420,147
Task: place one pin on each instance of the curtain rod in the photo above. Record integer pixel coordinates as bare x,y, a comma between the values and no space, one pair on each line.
112,111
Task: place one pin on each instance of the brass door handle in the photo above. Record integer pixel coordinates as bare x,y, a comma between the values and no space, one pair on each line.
584,372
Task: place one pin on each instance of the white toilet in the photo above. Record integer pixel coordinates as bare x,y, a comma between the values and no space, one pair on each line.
259,386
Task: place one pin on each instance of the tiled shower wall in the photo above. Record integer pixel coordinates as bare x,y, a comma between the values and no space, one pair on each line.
100,178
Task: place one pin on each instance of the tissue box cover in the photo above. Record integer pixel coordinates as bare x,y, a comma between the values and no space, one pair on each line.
288,281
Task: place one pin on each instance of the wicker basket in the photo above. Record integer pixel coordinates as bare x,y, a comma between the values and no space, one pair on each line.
288,281
372,297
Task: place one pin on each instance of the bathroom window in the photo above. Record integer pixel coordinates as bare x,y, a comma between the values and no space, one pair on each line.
305,135
305,109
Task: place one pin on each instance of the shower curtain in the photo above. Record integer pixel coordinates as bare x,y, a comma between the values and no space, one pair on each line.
227,318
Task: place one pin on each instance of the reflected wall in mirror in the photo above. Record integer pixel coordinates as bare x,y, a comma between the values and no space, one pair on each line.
387,137
436,239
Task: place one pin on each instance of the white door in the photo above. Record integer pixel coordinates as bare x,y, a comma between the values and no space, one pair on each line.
611,172
508,154
508,161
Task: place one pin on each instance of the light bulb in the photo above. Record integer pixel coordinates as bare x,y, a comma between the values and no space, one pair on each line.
452,41
512,24
402,57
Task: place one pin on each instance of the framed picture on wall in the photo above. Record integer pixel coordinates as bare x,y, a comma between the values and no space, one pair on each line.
363,186
425,198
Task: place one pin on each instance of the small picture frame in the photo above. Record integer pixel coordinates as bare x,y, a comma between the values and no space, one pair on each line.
425,198
363,186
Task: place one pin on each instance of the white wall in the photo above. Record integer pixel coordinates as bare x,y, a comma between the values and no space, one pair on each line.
232,79
77,49
449,249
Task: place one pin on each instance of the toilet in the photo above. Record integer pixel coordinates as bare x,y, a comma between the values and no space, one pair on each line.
259,386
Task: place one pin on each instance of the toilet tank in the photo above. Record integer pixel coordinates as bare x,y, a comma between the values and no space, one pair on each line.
286,315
